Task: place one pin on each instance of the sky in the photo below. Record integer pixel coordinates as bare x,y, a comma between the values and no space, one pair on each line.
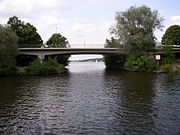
85,23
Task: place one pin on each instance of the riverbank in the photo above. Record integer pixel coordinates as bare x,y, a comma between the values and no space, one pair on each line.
49,67
40,69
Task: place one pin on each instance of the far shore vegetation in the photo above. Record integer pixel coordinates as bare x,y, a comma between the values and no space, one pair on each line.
133,32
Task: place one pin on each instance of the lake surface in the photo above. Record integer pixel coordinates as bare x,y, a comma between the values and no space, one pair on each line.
89,100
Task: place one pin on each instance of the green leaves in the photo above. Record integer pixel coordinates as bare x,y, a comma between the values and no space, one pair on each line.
8,47
172,36
58,41
134,29
114,61
51,66
27,33
145,63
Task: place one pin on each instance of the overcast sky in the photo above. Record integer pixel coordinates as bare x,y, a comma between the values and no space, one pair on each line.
82,20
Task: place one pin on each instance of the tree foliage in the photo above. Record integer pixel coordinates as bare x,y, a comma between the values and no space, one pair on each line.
172,36
58,41
28,37
114,61
134,28
168,56
144,63
112,43
27,33
8,47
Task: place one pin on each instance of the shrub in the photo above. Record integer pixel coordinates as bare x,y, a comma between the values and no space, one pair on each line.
49,67
145,63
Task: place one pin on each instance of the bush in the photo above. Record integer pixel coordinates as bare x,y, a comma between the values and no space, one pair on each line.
49,67
145,63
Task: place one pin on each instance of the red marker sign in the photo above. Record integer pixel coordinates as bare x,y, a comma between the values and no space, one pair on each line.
158,57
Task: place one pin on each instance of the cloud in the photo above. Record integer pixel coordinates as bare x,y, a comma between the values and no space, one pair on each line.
3,20
171,20
62,16
76,30
175,20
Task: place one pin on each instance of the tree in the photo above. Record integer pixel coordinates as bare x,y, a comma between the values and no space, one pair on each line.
57,40
172,36
8,47
135,29
27,33
112,43
114,61
28,37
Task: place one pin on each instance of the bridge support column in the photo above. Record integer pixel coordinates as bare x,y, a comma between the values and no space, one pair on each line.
41,57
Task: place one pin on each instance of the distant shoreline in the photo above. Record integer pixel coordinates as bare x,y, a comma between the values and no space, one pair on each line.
88,60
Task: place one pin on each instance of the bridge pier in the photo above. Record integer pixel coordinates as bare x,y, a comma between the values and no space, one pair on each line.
41,57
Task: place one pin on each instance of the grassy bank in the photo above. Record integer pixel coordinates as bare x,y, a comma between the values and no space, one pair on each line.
170,68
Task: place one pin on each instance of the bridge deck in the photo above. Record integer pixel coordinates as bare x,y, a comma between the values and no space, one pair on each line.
51,51
47,51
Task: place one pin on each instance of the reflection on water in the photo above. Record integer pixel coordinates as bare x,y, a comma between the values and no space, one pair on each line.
90,100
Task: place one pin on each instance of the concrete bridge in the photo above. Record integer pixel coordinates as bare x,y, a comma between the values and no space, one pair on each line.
42,52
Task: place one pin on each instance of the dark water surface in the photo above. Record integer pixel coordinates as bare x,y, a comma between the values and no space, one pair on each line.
92,101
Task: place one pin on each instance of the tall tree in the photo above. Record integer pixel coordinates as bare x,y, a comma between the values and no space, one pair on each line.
28,37
8,47
57,40
172,36
27,33
135,29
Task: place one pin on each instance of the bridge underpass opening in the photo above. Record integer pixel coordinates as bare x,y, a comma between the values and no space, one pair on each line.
86,63
84,57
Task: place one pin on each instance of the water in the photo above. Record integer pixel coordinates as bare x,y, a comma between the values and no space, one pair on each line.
92,101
